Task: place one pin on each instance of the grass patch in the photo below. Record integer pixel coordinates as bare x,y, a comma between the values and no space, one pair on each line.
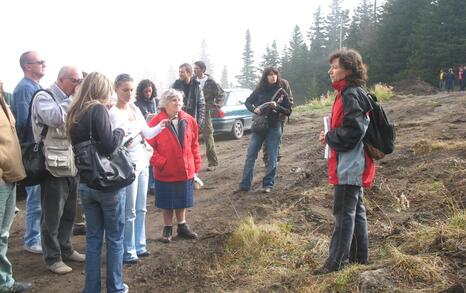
382,91
316,104
415,268
424,146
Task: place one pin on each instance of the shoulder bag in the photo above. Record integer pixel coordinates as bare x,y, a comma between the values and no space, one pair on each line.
103,172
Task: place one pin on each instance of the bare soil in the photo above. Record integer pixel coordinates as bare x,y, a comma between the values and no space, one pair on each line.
184,266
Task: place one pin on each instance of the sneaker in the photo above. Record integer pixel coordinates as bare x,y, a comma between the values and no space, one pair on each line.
143,254
35,248
131,261
76,256
59,268
267,189
126,290
184,232
18,287
167,234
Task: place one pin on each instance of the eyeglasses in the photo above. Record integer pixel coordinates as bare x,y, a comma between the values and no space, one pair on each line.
75,80
40,62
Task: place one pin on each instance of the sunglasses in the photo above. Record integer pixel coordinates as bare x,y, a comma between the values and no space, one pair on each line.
40,62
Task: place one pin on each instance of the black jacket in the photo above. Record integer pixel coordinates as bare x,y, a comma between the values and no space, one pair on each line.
193,100
262,96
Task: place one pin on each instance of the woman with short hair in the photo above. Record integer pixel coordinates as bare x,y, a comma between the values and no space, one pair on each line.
350,168
175,162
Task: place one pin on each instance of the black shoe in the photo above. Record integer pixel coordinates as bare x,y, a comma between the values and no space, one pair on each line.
151,191
241,189
184,232
167,234
144,254
323,270
18,287
79,230
131,261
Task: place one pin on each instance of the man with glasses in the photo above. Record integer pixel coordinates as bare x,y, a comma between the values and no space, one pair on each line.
59,189
34,69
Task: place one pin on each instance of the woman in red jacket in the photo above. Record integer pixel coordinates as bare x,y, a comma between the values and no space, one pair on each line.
349,166
175,162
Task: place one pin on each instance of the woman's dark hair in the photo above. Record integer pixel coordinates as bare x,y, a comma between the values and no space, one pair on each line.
263,83
142,85
350,59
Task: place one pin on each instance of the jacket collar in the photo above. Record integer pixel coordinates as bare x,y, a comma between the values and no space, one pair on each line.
339,85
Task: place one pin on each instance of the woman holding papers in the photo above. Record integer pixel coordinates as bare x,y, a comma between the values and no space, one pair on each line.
268,99
349,167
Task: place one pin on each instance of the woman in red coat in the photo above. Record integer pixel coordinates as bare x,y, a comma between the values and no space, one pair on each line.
175,162
350,169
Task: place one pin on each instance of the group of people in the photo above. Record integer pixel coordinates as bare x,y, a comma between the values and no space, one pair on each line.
447,79
161,134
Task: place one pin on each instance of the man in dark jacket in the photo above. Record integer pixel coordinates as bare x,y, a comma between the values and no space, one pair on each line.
214,97
193,99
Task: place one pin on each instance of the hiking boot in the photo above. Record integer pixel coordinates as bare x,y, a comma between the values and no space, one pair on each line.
143,254
76,256
59,268
211,168
241,189
131,261
167,234
184,232
267,189
323,270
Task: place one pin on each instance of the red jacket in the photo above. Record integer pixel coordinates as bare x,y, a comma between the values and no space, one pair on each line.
175,159
349,162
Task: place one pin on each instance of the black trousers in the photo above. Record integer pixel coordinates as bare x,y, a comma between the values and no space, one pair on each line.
58,199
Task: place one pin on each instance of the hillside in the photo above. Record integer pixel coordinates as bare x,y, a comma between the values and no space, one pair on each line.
257,242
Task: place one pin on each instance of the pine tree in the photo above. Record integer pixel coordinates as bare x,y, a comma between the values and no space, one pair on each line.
271,56
247,78
391,48
336,26
318,77
361,30
438,40
298,61
204,56
224,80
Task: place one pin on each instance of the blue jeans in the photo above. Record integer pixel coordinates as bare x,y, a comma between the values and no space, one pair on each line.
271,138
135,216
104,212
33,214
7,213
349,239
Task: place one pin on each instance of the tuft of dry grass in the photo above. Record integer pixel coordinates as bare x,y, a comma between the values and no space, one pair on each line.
425,146
382,91
416,268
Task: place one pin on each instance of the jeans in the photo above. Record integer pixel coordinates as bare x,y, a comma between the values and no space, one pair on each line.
135,216
7,213
349,240
59,195
33,214
208,135
272,140
104,211
151,178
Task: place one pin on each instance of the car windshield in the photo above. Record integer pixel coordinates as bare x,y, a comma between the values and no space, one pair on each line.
236,98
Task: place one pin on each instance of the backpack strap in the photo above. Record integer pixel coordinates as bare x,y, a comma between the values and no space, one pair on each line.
45,129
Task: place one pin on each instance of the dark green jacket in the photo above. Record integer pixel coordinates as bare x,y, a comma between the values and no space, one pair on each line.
213,94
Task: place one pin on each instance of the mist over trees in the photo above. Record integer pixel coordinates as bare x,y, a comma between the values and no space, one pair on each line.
399,40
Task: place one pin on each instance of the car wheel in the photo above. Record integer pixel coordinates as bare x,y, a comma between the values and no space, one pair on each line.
238,129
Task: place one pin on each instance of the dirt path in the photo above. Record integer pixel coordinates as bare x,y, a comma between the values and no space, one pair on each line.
182,266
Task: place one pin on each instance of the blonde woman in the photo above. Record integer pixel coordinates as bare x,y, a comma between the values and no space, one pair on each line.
104,210
126,115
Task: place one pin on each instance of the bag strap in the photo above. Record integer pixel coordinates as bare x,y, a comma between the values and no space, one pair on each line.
45,129
91,138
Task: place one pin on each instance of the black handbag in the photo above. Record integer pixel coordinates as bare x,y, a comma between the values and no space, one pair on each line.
103,172
33,153
260,123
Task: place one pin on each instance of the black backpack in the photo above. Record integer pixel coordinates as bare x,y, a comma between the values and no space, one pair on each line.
379,139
